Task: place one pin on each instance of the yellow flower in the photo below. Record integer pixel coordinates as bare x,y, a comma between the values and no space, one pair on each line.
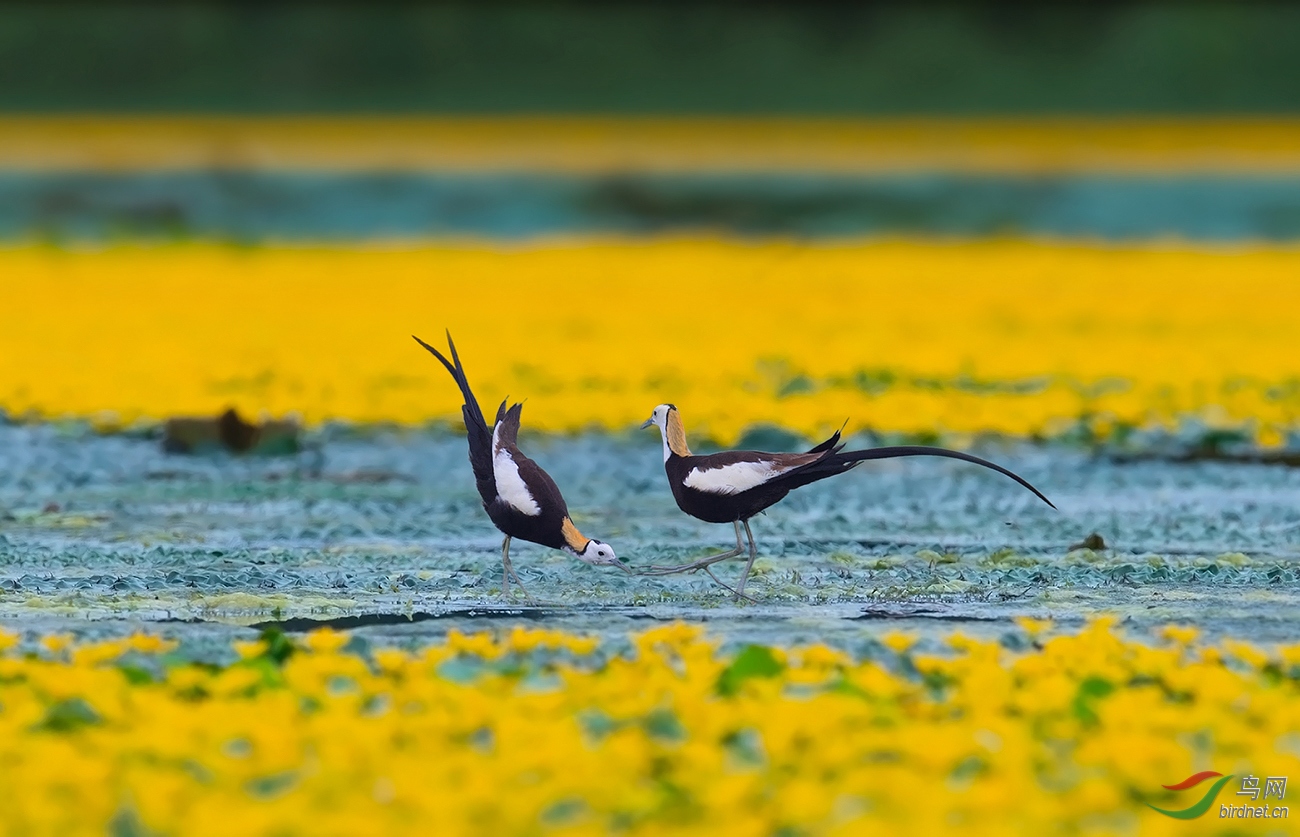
391,660
480,644
1079,730
325,640
1246,652
186,678
1270,436
56,643
898,642
1032,626
1064,331
247,650
97,653
1181,634
149,643
581,645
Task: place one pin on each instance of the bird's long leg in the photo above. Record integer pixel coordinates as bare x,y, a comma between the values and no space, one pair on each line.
703,562
508,572
505,566
753,553
520,584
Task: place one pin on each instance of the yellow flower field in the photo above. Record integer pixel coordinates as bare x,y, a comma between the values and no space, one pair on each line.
609,144
536,732
918,337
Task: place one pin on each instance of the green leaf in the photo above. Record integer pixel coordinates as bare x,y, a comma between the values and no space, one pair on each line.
69,715
663,724
270,786
596,723
746,746
462,670
752,661
136,675
563,812
267,668
1090,691
278,645
125,823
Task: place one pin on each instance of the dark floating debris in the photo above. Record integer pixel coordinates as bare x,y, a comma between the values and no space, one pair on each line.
1095,542
1232,446
910,612
1289,458
230,432
370,476
344,623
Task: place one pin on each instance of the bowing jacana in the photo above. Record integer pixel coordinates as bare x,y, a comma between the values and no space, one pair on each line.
733,486
520,498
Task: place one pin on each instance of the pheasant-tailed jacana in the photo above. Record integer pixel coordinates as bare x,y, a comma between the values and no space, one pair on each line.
733,486
520,498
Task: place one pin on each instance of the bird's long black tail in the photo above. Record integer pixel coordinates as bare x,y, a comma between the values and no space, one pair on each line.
848,459
458,375
478,431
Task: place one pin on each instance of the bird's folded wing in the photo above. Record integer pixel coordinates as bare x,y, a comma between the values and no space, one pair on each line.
741,470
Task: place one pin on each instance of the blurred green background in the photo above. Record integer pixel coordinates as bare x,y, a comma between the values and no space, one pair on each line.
678,58
1237,64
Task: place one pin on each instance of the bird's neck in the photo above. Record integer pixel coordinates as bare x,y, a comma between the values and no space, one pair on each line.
674,436
573,539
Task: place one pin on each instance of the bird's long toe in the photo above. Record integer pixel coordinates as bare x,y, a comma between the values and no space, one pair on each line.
659,569
673,570
736,595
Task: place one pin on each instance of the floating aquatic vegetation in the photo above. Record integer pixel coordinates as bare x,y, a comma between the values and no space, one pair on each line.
926,339
535,731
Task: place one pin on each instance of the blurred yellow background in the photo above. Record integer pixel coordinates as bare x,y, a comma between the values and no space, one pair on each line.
954,338
652,144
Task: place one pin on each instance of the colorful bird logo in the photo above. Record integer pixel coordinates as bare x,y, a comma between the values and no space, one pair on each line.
1206,801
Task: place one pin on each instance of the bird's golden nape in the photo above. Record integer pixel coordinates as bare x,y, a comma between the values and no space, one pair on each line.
574,540
675,433
671,430
589,550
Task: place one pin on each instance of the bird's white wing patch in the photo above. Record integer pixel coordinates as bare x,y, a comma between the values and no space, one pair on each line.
510,485
734,478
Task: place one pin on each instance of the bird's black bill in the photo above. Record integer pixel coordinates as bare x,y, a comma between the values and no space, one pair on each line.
922,450
647,423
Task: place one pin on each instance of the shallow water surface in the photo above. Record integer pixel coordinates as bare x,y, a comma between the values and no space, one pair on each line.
381,533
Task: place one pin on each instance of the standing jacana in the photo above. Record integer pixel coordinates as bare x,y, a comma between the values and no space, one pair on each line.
520,498
733,486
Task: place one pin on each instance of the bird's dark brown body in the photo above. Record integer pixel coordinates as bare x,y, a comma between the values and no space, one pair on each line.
826,460
520,498
733,486
548,526
721,508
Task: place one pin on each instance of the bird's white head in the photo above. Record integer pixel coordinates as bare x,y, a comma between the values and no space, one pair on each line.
659,417
669,422
599,554
594,552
